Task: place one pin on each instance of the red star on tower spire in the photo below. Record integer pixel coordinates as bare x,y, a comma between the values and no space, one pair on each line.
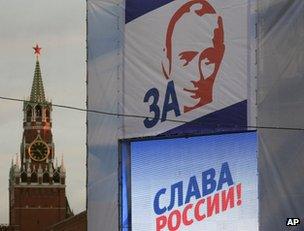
37,50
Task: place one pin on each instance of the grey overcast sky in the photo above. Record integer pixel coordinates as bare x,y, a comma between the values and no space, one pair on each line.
59,28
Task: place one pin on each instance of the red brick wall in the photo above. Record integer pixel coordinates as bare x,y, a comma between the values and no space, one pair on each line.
34,209
75,223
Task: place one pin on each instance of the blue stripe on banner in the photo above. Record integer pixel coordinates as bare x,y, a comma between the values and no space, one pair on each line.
232,118
137,8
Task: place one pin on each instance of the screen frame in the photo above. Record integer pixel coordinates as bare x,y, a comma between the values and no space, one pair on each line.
124,159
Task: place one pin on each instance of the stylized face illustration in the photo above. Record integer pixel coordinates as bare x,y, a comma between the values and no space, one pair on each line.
199,62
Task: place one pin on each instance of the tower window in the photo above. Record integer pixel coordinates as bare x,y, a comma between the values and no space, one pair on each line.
46,178
28,113
38,111
23,177
34,178
56,177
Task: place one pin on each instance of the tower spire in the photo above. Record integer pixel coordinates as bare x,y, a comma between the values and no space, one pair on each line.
62,167
37,92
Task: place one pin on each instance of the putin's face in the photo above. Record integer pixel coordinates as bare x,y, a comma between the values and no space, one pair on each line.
194,60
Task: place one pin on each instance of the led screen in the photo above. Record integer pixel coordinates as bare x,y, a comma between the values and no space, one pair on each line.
195,183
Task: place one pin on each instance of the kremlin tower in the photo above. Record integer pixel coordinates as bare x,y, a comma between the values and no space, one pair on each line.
37,197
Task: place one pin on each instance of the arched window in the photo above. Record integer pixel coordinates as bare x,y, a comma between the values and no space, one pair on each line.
34,178
28,113
23,177
46,177
56,177
38,111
